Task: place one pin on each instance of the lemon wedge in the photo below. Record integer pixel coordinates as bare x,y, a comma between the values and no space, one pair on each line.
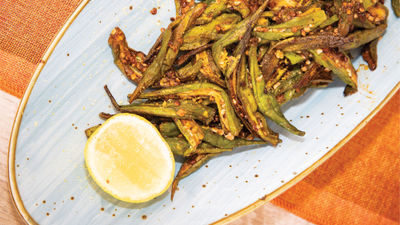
128,159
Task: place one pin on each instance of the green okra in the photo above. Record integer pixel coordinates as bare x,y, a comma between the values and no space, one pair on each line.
178,145
256,121
269,64
189,72
176,41
290,95
192,133
349,90
370,54
304,79
227,116
288,83
200,35
105,116
153,72
362,37
266,102
183,58
221,142
91,130
396,7
130,62
338,62
190,165
363,22
345,18
209,71
155,48
170,109
294,58
310,19
234,35
213,10
367,3
205,148
331,20
241,7
312,42
169,129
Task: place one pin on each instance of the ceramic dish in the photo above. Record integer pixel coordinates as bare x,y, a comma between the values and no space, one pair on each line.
48,178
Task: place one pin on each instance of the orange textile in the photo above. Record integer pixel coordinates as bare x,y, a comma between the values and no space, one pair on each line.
26,30
359,185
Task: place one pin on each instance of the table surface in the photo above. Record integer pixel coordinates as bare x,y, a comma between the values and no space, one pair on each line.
266,214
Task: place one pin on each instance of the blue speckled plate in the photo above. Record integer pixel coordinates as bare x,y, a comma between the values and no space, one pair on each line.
48,178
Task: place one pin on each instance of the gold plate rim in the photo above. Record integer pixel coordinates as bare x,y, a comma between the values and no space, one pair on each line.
13,188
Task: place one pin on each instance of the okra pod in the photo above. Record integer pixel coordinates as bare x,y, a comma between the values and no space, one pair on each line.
229,121
192,133
338,62
311,42
370,55
266,102
171,109
234,35
153,72
363,37
91,130
209,71
169,129
200,35
176,40
189,166
396,7
256,121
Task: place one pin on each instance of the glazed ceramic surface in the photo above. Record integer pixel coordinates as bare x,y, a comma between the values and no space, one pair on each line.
54,184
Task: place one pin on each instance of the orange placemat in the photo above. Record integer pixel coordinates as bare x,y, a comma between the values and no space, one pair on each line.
358,185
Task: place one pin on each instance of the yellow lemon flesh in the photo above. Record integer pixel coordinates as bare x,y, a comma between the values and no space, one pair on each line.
128,159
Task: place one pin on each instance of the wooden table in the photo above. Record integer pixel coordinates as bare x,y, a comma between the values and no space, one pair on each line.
266,214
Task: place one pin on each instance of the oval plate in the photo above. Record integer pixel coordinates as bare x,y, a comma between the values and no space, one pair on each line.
48,179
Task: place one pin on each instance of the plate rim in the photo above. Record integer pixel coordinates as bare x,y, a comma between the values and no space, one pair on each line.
12,184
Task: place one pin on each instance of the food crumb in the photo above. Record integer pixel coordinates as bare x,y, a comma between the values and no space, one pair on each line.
67,54
144,217
101,209
113,214
203,185
130,7
256,175
47,214
153,11
72,198
192,206
44,201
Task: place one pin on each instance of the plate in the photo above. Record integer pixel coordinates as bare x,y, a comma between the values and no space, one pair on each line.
48,179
